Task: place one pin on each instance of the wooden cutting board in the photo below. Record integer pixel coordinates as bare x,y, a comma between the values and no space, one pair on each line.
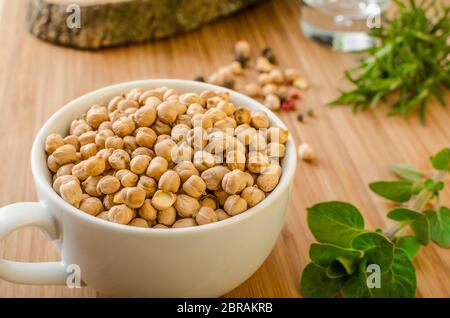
36,79
94,24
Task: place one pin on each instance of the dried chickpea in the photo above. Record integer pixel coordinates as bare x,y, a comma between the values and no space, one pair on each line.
194,109
201,120
147,211
153,101
126,177
79,172
53,142
275,149
160,226
165,148
215,115
112,105
242,48
206,215
179,132
108,185
96,115
221,215
235,205
185,170
163,200
168,111
138,222
276,76
142,151
119,159
234,182
252,195
125,104
101,136
272,101
157,167
139,164
169,181
121,214
71,193
245,134
145,116
65,154
213,177
194,186
259,119
87,138
52,165
72,140
268,180
242,116
209,201
277,134
114,142
64,170
145,137
133,197
148,184
129,144
252,89
161,128
88,151
59,181
90,186
182,152
257,162
197,138
235,160
258,142
186,206
184,119
91,205
79,127
123,126
263,64
94,166
185,222
103,215
167,216
306,152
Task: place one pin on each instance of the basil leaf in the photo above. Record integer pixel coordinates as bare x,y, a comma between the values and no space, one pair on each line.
335,222
316,284
377,249
356,286
440,226
398,191
407,172
400,280
416,220
441,160
409,244
324,254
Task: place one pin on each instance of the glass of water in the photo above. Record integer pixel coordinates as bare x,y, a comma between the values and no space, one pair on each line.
342,24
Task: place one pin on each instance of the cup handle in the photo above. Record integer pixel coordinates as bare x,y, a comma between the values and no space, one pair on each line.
16,216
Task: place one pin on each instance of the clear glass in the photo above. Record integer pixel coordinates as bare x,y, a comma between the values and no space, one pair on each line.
342,24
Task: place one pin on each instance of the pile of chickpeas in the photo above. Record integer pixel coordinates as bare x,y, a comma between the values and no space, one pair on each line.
161,159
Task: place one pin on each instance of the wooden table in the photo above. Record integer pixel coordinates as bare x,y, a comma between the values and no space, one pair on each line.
37,78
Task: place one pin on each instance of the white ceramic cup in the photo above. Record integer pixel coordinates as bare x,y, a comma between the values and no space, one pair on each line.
117,260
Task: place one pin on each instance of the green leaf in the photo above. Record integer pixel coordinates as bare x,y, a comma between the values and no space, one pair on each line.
335,222
398,191
335,257
416,220
441,160
336,270
407,172
400,280
316,284
356,286
409,244
440,226
377,249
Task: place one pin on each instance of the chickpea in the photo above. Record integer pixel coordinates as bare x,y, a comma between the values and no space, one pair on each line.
119,159
213,101
245,135
103,215
234,182
65,154
277,134
306,152
106,125
201,120
114,142
206,215
96,115
213,177
79,172
90,186
197,138
165,148
168,111
263,64
147,211
133,197
121,214
129,144
157,167
184,119
63,180
53,142
139,164
87,138
272,101
169,181
160,226
268,180
235,205
242,48
258,142
179,132
148,184
112,106
64,170
72,140
138,222
190,98
257,162
123,126
276,76
108,185
186,206
145,137
215,115
226,124
52,165
161,128
185,170
235,160
204,160
260,119
209,201
145,116
144,97
94,166
71,193
194,186
142,151
101,136
185,222
221,196
221,215
126,178
242,116
194,109
167,216
163,200
182,152
227,107
92,206
264,78
253,195
79,127
274,149
88,151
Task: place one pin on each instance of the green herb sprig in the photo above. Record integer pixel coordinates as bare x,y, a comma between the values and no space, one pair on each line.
345,249
408,64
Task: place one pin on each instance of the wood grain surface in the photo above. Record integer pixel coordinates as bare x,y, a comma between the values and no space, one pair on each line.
37,78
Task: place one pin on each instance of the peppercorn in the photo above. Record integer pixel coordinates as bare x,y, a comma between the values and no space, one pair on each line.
199,78
300,117
268,54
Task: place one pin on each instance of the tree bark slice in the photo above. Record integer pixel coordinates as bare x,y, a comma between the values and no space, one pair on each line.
110,23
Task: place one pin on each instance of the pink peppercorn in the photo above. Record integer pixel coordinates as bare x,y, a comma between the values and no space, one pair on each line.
288,105
294,95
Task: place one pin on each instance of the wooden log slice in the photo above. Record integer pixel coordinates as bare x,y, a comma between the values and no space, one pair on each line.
106,23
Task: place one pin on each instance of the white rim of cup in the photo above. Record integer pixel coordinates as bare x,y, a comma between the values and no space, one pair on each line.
40,170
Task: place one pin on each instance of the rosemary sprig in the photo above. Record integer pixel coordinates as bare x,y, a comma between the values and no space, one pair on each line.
409,62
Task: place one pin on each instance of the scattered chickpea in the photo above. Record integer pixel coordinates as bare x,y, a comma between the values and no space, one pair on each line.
306,152
242,48
272,101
